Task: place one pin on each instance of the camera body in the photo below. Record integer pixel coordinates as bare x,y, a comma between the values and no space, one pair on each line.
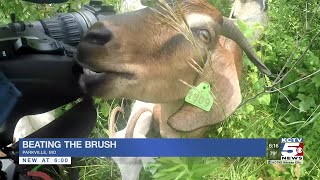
37,69
38,74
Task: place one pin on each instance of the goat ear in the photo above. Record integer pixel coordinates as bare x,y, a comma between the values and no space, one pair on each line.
222,72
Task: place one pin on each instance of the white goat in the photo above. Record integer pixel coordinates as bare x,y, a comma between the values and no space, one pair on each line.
137,127
252,12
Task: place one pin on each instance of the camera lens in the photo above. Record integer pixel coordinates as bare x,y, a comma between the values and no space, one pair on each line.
68,27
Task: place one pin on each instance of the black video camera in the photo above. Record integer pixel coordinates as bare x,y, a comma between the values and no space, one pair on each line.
38,73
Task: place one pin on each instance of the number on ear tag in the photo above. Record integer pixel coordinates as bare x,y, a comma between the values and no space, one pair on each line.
200,96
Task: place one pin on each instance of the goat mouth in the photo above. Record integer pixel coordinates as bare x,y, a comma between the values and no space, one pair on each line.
95,77
97,74
90,80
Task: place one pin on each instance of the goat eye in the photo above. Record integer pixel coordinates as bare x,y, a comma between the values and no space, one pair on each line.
204,36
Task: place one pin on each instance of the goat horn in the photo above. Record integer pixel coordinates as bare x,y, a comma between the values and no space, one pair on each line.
112,120
231,31
133,121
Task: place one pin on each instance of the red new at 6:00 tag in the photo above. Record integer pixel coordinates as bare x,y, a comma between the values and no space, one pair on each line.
200,96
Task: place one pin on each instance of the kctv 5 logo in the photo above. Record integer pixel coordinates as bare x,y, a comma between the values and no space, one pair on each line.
292,149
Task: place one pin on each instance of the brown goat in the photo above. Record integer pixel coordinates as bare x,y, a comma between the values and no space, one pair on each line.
155,55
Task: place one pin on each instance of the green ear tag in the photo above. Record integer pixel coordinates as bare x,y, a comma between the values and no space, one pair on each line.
200,96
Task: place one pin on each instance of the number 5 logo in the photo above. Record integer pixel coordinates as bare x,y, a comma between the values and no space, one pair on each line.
291,147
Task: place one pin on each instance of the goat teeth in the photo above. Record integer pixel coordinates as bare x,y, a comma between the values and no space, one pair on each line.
89,72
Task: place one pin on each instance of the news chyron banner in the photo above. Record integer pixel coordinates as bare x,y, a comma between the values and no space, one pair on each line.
60,150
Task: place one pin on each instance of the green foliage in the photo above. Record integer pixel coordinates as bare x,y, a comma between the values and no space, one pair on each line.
292,111
31,11
104,109
99,168
300,117
223,5
183,168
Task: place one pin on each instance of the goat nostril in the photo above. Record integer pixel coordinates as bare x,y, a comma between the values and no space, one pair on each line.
98,36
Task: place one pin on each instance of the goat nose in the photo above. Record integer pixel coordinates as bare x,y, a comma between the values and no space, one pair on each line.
99,36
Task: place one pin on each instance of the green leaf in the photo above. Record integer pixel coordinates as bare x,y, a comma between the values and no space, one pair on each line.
172,168
159,174
306,102
166,176
105,109
36,167
302,97
183,173
204,169
191,161
152,166
242,25
264,99
175,160
316,80
270,123
249,108
247,30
